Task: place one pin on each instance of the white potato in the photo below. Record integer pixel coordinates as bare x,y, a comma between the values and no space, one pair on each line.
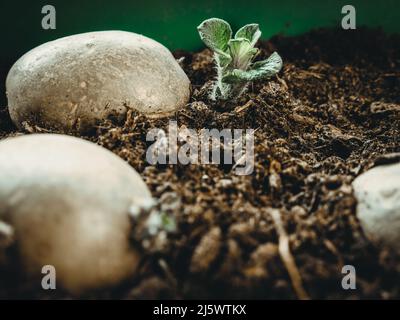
73,82
68,201
378,195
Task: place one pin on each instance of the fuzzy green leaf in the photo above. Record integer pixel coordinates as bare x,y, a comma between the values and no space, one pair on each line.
223,59
241,52
215,33
273,64
260,70
250,32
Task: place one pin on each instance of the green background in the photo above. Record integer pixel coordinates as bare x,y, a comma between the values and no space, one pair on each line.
173,23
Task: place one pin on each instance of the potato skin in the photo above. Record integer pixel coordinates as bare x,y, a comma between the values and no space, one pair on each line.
377,191
72,83
68,201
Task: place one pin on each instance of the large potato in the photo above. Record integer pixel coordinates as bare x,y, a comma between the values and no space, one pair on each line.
73,82
68,201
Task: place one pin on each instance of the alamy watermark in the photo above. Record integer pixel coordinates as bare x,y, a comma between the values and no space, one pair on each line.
207,146
49,280
49,20
349,20
349,278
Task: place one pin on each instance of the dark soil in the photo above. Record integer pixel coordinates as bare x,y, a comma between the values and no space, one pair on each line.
317,129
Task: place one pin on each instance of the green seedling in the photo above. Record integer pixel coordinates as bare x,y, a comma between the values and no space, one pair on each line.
234,57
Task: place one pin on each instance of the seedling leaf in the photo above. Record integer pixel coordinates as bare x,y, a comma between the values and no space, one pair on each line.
233,57
260,70
242,52
250,32
215,33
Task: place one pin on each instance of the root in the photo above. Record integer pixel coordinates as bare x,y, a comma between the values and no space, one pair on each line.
6,235
286,256
7,238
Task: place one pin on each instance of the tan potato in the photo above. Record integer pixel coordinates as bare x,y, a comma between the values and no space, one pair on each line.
73,82
68,202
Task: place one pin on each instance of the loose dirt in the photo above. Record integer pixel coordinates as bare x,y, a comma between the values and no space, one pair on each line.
331,114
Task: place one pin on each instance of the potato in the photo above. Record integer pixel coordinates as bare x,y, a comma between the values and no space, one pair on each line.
378,204
68,202
74,82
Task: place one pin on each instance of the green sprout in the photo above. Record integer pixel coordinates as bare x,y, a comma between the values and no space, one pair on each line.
234,57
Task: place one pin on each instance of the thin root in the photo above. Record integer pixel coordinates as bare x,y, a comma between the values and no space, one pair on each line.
6,235
286,256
